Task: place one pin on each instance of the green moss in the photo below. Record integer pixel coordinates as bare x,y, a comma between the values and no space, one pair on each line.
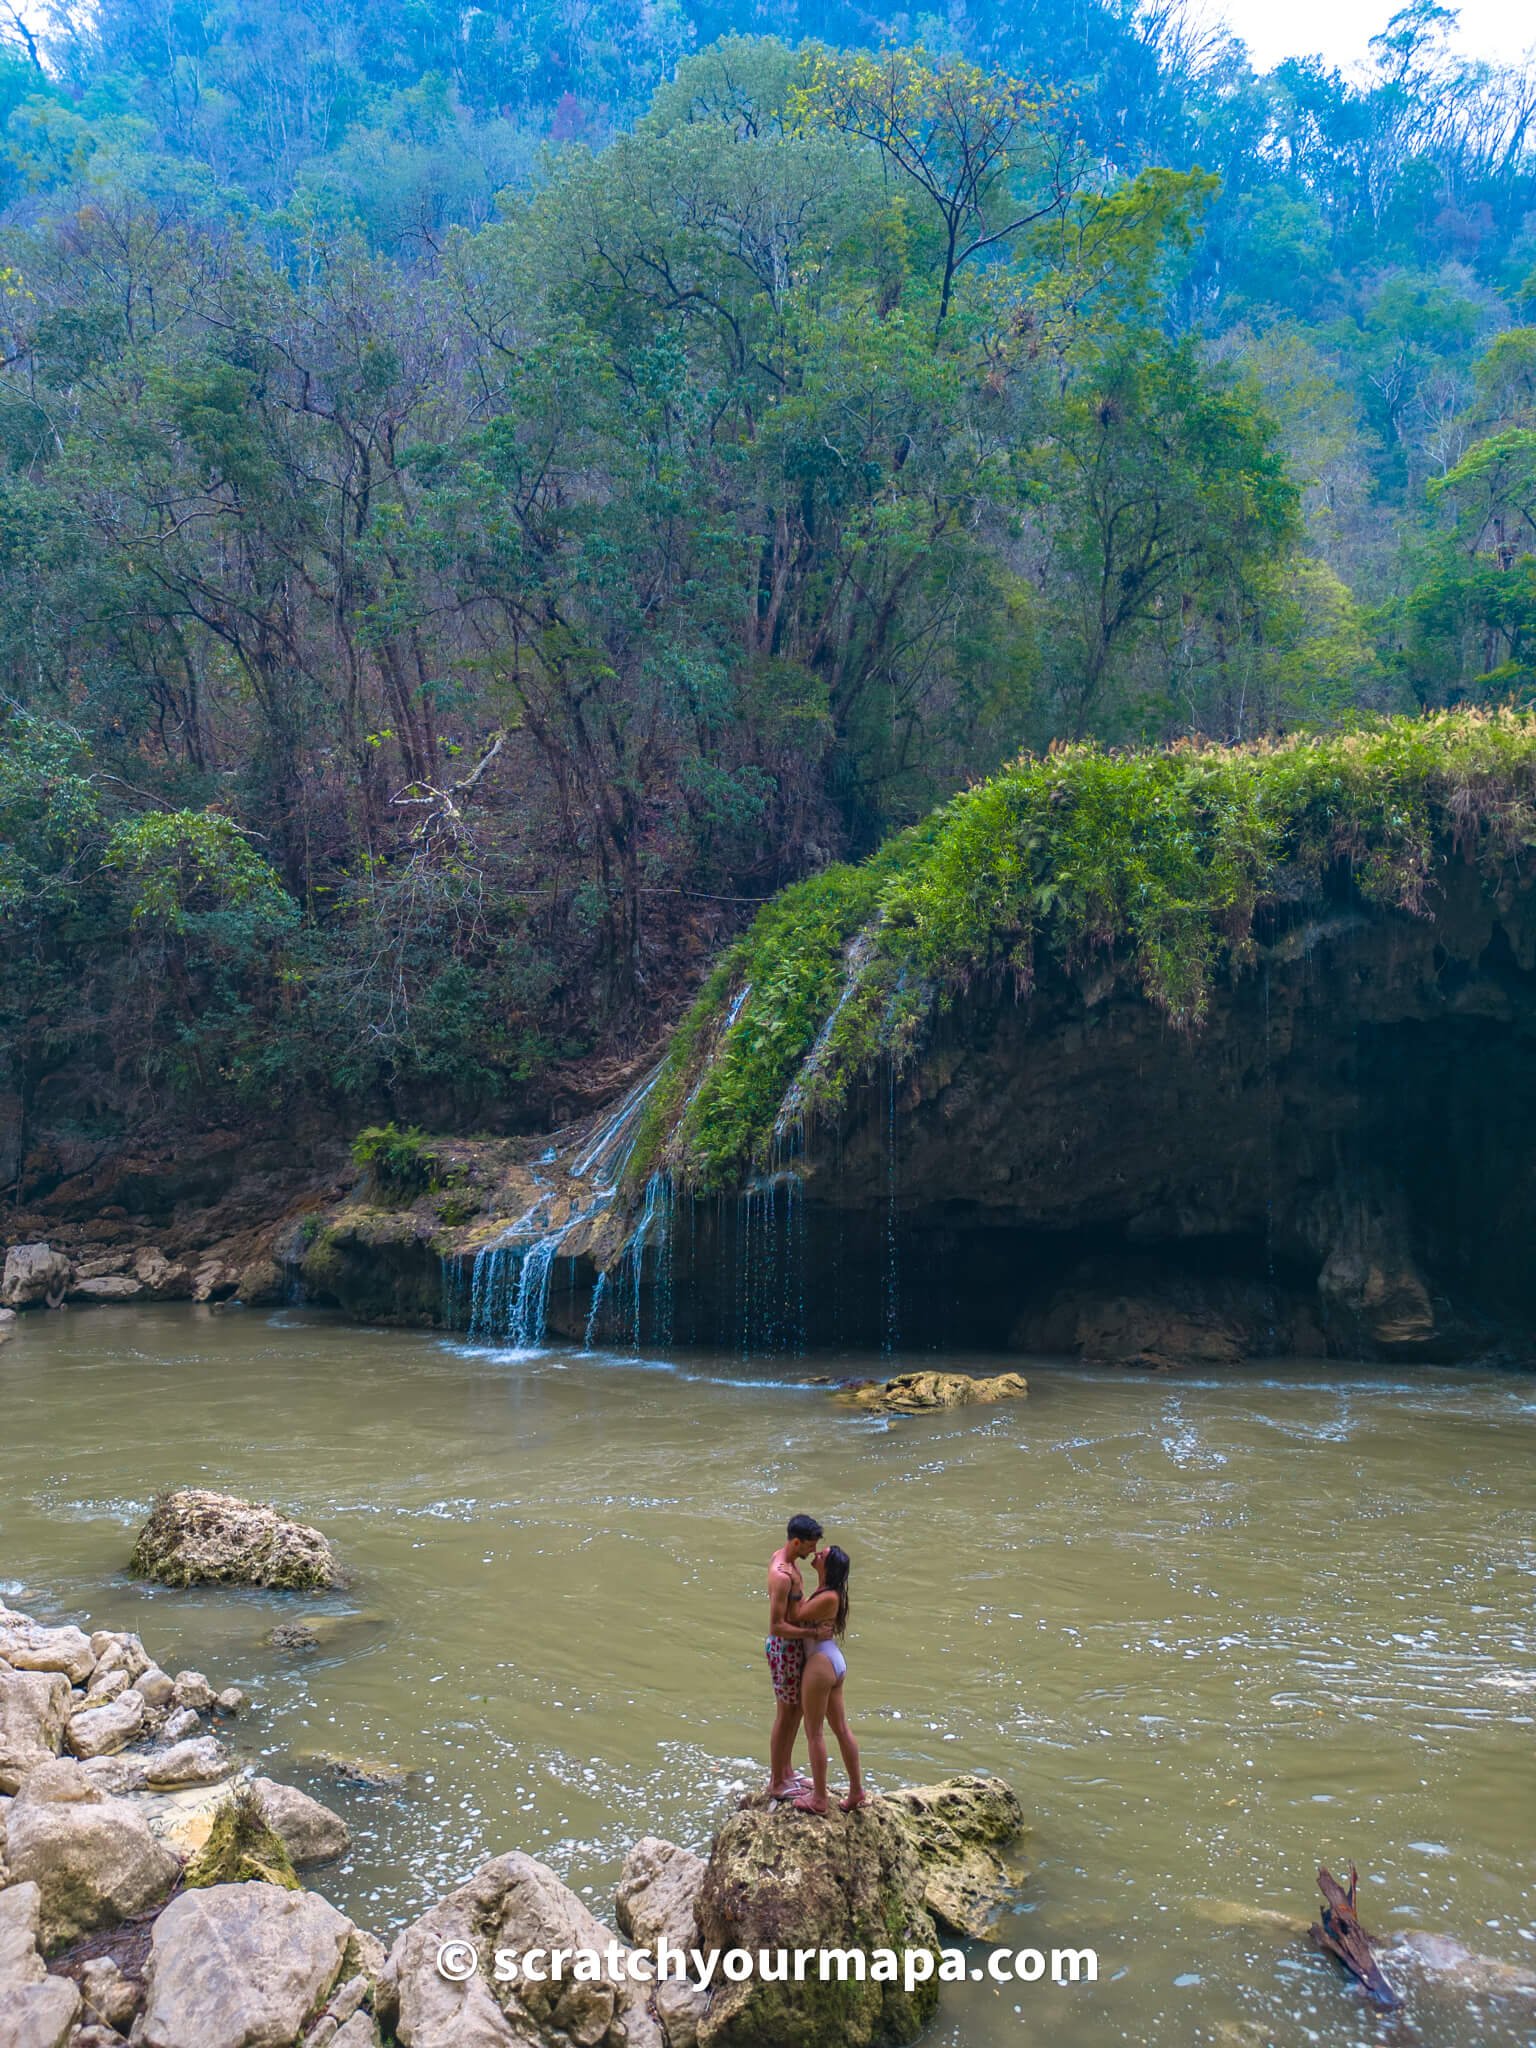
402,1163
241,1848
1156,860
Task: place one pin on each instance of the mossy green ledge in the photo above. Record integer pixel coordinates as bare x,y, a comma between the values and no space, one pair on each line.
1147,863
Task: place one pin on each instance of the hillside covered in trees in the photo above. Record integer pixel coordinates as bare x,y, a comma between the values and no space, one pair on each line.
486,499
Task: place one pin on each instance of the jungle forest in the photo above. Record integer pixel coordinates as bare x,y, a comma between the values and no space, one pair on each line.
487,498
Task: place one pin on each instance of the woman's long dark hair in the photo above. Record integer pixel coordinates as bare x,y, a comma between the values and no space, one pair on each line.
834,1573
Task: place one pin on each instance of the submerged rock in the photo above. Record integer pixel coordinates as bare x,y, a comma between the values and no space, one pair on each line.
194,1537
956,1829
1440,1957
782,1879
911,1393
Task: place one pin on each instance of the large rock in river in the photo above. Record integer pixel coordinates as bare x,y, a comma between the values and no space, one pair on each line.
957,1829
511,1903
914,1393
198,1538
782,1879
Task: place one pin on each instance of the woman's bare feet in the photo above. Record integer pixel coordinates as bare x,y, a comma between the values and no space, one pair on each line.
809,1803
796,1784
852,1801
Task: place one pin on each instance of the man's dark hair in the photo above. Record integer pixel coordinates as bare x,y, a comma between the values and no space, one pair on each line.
803,1529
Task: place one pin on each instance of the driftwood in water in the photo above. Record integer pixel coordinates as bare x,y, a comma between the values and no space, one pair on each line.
1340,1933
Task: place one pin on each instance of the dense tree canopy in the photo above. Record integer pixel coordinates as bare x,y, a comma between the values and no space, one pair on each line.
483,497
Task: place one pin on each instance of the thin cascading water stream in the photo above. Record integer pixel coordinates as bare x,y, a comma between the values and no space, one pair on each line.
505,1298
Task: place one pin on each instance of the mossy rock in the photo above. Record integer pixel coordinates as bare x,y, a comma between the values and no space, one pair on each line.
781,1879
1147,867
242,1849
197,1538
959,1830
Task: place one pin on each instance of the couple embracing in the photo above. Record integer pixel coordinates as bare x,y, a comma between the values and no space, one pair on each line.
808,1668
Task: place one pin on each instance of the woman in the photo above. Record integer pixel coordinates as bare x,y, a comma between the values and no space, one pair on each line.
821,1684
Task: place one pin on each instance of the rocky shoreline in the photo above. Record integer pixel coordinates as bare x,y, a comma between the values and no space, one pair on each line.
148,1894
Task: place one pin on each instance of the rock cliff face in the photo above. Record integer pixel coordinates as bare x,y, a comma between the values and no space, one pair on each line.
1338,1160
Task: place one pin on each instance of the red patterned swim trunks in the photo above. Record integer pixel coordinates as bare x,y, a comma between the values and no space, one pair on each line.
786,1662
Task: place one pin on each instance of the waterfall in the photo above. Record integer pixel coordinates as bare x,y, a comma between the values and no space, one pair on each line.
509,1287
506,1298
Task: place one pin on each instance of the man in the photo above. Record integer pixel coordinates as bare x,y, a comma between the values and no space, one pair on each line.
786,1651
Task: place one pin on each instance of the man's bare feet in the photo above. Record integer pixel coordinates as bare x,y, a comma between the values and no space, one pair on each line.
809,1803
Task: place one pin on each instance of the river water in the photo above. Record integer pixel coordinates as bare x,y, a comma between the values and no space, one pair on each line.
1214,1629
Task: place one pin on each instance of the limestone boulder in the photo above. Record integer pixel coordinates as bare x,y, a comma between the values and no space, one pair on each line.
512,1903
194,1537
119,1650
262,1284
34,1712
960,1831
102,1731
101,1690
35,1275
240,1966
202,1761
913,1393
215,1280
161,1278
110,1998
108,1287
28,1646
21,1961
93,1859
310,1832
658,1894
39,2015
781,1879
115,1775
191,1689
156,1686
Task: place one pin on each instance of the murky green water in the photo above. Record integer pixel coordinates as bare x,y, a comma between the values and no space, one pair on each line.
1213,1629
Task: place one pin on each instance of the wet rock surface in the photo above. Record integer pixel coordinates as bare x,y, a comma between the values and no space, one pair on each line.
194,1537
778,1878
914,1393
959,1832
